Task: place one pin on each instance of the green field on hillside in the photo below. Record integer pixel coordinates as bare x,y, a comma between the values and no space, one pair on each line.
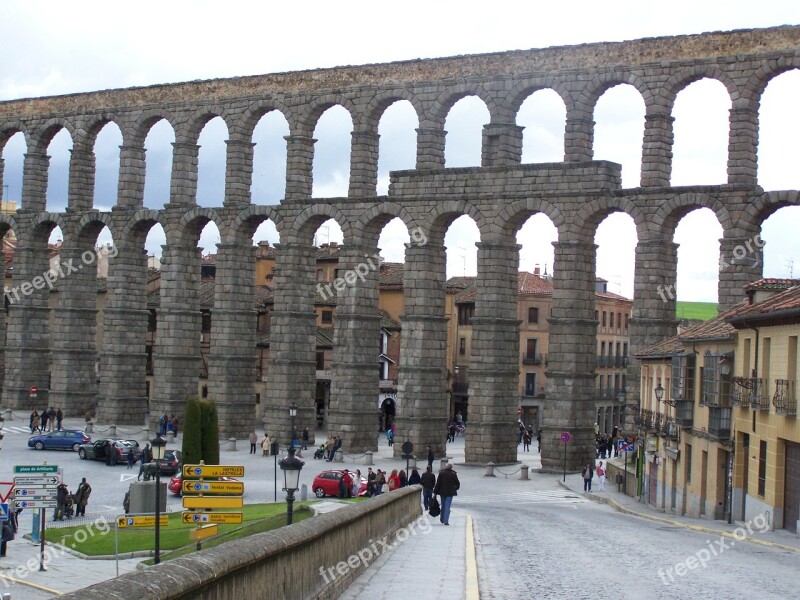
702,311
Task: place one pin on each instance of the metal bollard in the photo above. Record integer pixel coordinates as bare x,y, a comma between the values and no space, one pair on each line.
368,457
489,470
89,427
523,472
303,492
232,444
339,456
170,437
112,431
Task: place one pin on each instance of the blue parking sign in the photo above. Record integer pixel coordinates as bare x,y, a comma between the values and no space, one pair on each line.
4,512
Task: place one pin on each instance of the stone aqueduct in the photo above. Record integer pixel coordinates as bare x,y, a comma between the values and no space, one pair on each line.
500,195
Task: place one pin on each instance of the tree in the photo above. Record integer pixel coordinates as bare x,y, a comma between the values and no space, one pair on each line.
209,432
192,446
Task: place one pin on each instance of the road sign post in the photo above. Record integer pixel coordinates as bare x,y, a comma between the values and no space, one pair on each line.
189,516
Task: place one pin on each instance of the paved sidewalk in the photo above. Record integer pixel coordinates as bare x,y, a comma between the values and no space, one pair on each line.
630,505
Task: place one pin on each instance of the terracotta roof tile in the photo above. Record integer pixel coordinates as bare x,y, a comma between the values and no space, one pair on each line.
780,304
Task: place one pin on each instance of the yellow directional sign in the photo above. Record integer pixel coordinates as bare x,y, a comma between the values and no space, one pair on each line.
142,521
213,471
203,532
204,517
231,488
212,502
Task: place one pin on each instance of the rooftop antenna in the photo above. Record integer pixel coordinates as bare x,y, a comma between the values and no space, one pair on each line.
790,265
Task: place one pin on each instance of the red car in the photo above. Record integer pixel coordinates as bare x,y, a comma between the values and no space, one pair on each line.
327,483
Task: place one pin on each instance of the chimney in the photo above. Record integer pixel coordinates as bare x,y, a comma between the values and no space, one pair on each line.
536,271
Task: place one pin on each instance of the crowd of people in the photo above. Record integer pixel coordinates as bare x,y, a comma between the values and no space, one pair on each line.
48,420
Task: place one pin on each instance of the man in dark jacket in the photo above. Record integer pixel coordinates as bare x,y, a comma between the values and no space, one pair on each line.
430,457
587,474
446,486
428,481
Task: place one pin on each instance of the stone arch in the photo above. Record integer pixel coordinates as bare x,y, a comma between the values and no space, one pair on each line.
448,98
685,77
372,221
675,208
190,129
139,225
245,125
525,89
594,212
605,81
11,128
381,102
761,208
90,226
95,124
305,224
758,81
512,216
248,220
49,130
146,121
56,219
446,212
7,223
318,106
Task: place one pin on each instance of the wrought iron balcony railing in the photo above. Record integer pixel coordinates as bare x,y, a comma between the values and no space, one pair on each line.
754,391
784,399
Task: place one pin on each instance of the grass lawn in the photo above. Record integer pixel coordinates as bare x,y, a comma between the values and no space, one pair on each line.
95,541
702,311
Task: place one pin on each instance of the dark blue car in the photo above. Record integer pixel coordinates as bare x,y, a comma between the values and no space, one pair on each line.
66,439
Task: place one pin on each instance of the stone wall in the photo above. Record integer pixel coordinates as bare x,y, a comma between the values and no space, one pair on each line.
286,563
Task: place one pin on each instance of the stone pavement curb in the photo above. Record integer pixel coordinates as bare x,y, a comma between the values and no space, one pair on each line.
691,526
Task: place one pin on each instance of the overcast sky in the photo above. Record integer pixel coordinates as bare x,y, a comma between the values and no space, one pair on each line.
53,48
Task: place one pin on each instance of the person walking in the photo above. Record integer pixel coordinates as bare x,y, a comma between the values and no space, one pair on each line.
587,474
428,481
394,480
447,486
132,459
305,438
265,444
601,477
62,495
539,440
82,497
253,441
59,418
35,421
380,481
9,531
45,416
430,457
51,419
526,441
356,483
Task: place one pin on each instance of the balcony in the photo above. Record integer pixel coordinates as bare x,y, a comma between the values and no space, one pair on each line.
671,428
719,422
784,400
648,420
660,420
685,413
754,392
602,361
532,358
620,361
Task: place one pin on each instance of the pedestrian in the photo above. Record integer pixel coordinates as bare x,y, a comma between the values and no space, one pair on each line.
305,438
370,482
403,478
45,416
389,437
111,454
447,486
62,497
51,419
356,482
451,432
428,481
9,531
59,418
35,421
430,457
174,422
521,427
414,478
587,474
132,459
82,497
393,481
539,440
526,441
345,484
601,477
162,424
253,442
265,444
380,481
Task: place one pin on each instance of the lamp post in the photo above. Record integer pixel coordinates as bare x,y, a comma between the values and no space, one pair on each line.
290,466
292,414
659,392
158,444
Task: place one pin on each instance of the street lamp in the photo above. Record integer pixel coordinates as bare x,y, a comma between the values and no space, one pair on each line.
660,392
290,466
292,414
158,444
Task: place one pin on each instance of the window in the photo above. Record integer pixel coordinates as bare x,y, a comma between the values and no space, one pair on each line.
320,361
462,346
683,377
626,322
206,322
530,384
533,314
204,392
320,275
716,380
596,316
327,316
619,319
611,320
151,321
604,318
762,468
465,313
688,463
531,349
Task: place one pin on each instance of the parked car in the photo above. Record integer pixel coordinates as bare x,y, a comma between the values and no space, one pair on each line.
169,465
175,484
99,450
327,483
66,439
